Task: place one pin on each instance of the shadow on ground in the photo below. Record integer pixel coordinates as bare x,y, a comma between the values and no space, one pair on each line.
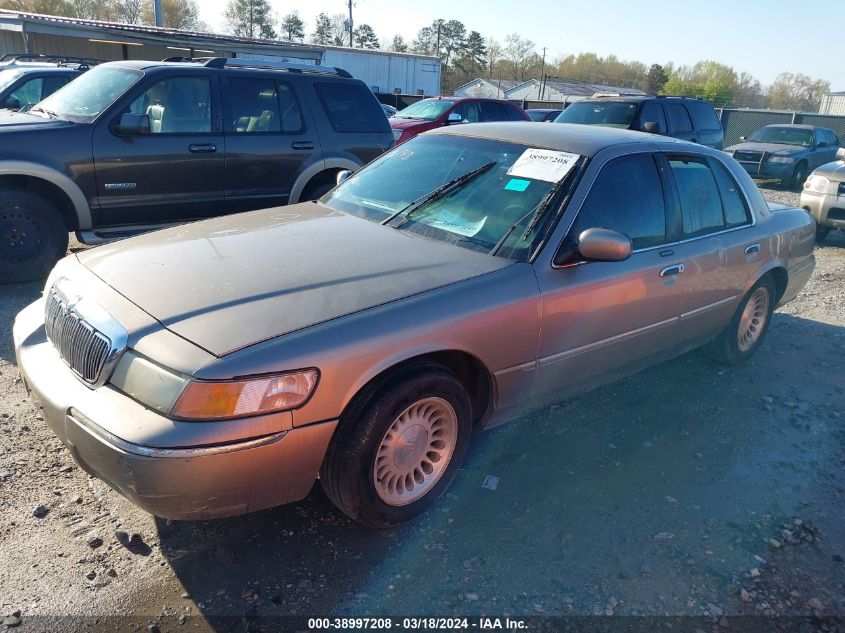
652,495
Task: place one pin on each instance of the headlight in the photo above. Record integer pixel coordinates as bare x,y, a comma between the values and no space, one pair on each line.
817,184
780,159
220,400
397,134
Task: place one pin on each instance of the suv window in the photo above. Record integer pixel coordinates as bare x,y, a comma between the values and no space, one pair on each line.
176,105
679,120
704,115
701,203
653,111
51,84
28,93
468,111
263,105
627,196
514,114
351,107
491,111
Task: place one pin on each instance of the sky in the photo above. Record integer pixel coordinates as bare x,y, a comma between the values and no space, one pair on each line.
763,37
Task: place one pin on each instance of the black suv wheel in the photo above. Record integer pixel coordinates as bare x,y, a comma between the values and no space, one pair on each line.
33,236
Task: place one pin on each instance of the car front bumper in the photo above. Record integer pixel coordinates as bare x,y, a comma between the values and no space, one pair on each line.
827,209
194,480
779,171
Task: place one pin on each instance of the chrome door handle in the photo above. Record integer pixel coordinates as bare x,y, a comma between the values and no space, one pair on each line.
206,148
677,269
302,145
752,248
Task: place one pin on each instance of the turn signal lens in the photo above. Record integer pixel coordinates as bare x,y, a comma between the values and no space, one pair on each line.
241,398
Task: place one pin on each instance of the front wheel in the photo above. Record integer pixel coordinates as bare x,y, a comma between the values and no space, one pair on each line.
397,453
33,236
799,175
743,335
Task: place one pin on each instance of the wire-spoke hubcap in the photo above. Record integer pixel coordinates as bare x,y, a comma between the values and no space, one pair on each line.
753,319
415,451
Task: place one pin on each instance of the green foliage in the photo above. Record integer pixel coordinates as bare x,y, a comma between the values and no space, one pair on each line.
292,27
398,45
656,79
250,18
365,37
797,92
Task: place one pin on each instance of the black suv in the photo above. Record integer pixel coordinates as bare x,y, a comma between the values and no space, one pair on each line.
135,145
682,117
27,79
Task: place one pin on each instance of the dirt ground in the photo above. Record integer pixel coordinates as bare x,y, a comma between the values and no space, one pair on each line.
689,489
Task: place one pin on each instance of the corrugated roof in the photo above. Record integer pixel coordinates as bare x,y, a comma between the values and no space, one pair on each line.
506,84
580,88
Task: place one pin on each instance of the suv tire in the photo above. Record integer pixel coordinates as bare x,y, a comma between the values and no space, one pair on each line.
422,417
33,236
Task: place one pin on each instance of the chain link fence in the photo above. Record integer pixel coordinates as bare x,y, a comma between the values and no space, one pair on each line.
738,123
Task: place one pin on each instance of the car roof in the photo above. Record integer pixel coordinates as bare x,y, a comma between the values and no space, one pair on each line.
586,140
544,109
58,70
799,126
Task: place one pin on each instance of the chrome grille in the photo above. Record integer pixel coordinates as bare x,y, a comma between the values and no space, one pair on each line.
80,345
748,156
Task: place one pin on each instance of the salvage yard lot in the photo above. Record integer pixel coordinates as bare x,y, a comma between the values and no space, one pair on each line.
690,488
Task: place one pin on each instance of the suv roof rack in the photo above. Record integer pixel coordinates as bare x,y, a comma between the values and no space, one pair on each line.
234,62
599,95
59,60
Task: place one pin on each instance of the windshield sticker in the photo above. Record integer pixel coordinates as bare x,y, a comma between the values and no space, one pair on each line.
454,223
515,184
543,164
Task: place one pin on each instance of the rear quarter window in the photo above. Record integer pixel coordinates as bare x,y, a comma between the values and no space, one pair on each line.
704,116
351,107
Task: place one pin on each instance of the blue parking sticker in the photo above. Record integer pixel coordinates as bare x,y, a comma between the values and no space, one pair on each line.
517,184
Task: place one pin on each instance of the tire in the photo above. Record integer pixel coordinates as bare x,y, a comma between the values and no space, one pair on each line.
366,453
33,236
316,192
821,233
743,335
799,175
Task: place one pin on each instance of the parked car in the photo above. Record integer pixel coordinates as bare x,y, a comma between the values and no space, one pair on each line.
543,114
21,87
135,145
785,152
389,110
681,117
824,196
462,279
429,114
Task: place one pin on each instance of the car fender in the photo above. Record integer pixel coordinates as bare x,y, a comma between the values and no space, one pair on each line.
316,168
54,177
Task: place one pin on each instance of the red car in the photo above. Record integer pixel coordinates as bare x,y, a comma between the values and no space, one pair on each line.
428,114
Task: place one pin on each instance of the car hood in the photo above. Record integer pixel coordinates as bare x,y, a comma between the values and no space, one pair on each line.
406,124
834,170
233,281
769,148
10,121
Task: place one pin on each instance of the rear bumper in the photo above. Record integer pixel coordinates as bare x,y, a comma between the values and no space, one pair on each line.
194,480
826,209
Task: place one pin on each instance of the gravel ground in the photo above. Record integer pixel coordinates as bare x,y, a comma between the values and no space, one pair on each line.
697,490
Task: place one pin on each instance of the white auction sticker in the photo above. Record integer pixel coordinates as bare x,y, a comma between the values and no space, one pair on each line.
543,164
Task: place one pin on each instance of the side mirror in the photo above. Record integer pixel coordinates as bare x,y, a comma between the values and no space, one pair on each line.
454,117
604,245
132,124
742,139
840,154
652,127
12,104
821,144
342,175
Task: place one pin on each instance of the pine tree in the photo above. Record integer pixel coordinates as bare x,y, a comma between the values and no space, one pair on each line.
250,18
322,30
293,28
365,37
398,44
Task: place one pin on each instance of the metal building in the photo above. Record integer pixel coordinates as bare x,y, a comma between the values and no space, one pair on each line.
562,90
53,35
833,103
481,88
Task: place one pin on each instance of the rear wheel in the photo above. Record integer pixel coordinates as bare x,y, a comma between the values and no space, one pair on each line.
821,233
33,236
397,453
738,342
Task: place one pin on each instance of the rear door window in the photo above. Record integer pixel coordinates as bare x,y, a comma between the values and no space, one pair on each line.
704,115
679,120
351,107
652,111
255,105
627,196
700,198
491,111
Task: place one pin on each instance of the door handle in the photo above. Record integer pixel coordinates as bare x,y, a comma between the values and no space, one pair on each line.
676,269
752,248
666,253
202,148
302,145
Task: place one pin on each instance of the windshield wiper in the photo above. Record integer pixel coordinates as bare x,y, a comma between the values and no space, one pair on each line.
415,205
49,113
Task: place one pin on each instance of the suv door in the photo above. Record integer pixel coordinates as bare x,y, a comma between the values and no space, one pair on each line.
680,123
35,88
602,317
652,112
707,125
492,111
268,141
176,172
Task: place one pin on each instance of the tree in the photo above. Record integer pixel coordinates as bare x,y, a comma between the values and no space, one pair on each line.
791,91
493,56
398,45
47,7
250,18
322,30
517,53
292,27
748,92
656,79
176,14
365,37
128,11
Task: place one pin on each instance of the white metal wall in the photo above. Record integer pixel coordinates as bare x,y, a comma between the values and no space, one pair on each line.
833,104
384,72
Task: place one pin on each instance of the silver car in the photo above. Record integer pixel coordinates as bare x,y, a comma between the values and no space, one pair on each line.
462,279
824,196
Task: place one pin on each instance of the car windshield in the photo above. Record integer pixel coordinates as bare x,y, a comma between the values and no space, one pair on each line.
609,114
8,77
428,109
83,99
490,204
783,135
537,115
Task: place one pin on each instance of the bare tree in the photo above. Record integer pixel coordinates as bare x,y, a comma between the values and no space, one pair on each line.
517,52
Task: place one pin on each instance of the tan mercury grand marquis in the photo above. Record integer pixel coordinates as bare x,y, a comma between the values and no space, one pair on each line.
460,280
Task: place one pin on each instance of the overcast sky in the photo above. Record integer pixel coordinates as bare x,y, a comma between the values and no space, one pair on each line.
763,37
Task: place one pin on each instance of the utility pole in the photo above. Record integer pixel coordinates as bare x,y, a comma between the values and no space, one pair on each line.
159,18
543,76
439,24
350,23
